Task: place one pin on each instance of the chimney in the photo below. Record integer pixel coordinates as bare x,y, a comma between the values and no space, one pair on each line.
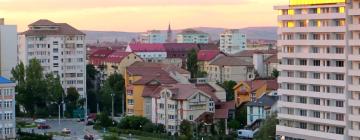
2,21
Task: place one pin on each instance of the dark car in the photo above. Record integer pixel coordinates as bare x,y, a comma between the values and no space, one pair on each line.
43,126
90,122
88,137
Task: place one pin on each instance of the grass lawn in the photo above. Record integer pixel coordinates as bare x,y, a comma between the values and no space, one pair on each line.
141,137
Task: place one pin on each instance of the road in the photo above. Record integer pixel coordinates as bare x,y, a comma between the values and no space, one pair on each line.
78,129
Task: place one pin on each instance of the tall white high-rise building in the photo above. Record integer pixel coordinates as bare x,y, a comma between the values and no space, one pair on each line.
153,36
8,48
320,70
60,48
232,41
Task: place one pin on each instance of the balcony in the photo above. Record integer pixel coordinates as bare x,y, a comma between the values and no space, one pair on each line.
353,102
354,118
311,68
353,27
353,72
312,107
312,94
312,55
312,16
354,133
354,87
311,81
306,134
312,29
312,42
311,119
352,57
354,12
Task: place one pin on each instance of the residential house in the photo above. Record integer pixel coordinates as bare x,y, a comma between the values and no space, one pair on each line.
148,52
119,60
246,91
205,56
177,53
260,108
271,64
226,68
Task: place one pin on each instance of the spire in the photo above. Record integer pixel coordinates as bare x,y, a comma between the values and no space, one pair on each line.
169,34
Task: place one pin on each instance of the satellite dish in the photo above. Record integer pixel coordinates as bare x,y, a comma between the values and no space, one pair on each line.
250,76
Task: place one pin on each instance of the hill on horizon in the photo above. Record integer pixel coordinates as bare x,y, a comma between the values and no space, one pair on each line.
268,33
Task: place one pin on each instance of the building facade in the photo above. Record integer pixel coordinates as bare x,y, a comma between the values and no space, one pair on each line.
7,109
192,36
8,51
232,41
320,80
60,49
148,52
153,36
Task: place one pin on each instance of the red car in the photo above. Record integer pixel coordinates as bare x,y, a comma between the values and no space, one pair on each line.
43,126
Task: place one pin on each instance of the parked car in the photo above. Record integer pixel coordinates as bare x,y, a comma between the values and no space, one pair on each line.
66,131
43,126
248,134
81,120
88,137
90,122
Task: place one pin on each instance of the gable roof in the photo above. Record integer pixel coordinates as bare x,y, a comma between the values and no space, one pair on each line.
147,47
43,22
264,100
3,80
207,55
250,53
208,90
256,84
230,61
191,31
117,56
272,59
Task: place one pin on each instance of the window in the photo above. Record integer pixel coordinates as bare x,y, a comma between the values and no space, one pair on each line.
303,62
339,50
316,101
316,114
339,103
55,50
303,112
290,86
55,43
339,76
56,65
302,74
316,75
290,74
316,127
315,49
303,87
339,130
339,63
56,57
316,88
161,106
130,102
290,61
303,100
303,125
191,117
340,117
316,62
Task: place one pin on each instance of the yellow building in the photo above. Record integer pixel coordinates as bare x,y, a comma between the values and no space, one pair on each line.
246,91
142,78
118,61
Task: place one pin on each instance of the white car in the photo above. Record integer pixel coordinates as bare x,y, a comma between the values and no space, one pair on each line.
249,134
66,131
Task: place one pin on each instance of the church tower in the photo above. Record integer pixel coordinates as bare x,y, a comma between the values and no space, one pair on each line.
169,35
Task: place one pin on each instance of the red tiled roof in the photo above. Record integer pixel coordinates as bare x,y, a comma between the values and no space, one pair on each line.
221,113
117,56
144,47
208,90
230,61
256,84
207,55
99,56
179,47
183,91
152,91
43,22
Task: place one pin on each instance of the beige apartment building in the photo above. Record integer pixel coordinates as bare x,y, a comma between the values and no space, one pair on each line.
320,70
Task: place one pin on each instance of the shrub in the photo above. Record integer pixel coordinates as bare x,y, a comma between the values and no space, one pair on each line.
32,136
149,127
133,122
111,137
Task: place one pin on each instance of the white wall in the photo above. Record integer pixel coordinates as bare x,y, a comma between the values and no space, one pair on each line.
8,49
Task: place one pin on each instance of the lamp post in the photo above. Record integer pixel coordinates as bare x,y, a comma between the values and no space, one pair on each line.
112,104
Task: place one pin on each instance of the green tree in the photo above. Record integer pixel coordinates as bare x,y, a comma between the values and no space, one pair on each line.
56,92
71,100
240,116
31,88
186,129
191,63
268,130
104,120
221,127
149,127
111,137
133,122
275,73
115,84
234,124
228,86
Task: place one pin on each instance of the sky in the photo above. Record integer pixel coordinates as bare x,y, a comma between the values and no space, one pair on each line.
142,15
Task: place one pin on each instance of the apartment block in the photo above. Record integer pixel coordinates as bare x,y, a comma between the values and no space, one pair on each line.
320,70
60,48
8,51
153,36
7,109
232,41
192,36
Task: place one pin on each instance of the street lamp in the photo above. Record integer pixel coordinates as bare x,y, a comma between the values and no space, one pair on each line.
112,104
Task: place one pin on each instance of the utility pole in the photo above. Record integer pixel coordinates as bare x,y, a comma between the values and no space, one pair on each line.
112,104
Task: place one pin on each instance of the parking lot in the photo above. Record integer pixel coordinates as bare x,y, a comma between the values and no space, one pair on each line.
78,129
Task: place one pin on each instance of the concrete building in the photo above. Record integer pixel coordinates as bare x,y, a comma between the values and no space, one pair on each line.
232,41
192,36
8,51
148,52
320,70
226,68
153,36
7,109
60,48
